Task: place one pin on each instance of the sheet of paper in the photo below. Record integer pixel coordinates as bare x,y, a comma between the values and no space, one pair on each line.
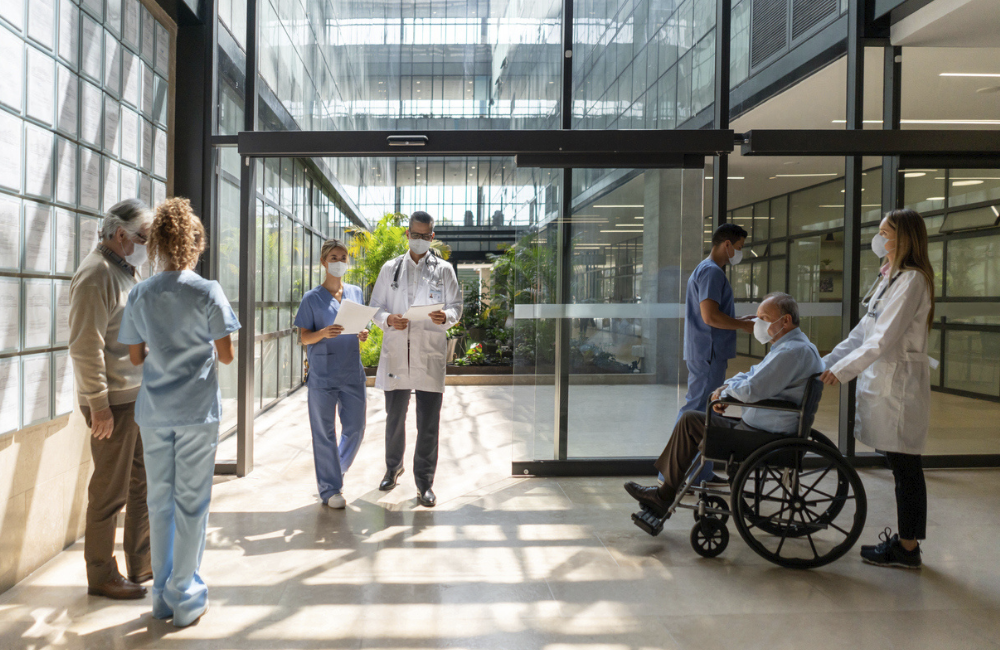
130,136
66,158
11,67
131,78
91,48
65,255
65,385
162,50
10,303
11,135
69,31
36,383
37,313
90,179
148,34
160,153
10,234
41,21
418,313
112,64
10,394
37,237
130,22
62,312
41,86
67,99
38,145
112,114
91,113
89,229
129,184
111,171
354,317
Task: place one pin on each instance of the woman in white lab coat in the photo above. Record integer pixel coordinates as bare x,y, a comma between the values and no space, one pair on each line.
887,353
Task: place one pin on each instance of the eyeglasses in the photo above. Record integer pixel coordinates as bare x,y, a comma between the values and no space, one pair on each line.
428,237
140,239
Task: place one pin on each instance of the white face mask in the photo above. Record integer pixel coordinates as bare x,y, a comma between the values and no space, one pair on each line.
337,269
878,245
736,258
419,246
760,328
138,256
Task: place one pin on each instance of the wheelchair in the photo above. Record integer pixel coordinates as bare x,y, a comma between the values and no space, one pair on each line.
793,497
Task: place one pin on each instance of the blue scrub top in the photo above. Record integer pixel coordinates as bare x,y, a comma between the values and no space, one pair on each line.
701,341
178,315
332,362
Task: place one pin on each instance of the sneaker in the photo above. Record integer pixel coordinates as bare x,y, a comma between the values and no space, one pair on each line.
336,501
891,553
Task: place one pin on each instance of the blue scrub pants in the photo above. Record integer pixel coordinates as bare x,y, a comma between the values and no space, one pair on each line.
180,463
333,460
704,376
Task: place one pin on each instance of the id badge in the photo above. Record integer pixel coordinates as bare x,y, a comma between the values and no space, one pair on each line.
436,293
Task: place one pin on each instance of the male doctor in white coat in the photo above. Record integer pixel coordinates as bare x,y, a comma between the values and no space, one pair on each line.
413,353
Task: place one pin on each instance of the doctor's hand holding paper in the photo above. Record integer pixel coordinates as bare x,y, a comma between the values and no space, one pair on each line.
414,349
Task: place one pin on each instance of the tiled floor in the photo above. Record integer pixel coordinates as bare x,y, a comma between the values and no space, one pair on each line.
518,563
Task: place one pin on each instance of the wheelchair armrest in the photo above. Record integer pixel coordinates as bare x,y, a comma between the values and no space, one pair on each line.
766,404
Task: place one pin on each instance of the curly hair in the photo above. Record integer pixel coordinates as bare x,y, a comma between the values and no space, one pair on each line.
177,237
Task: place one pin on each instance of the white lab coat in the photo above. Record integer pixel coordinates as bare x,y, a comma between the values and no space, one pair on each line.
888,356
414,358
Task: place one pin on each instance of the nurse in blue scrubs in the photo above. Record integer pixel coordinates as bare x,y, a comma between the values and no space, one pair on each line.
177,326
336,381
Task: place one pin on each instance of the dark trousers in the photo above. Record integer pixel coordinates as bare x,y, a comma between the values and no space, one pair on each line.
428,423
688,438
119,481
911,494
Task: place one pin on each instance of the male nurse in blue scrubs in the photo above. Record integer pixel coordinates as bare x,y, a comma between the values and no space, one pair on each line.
710,322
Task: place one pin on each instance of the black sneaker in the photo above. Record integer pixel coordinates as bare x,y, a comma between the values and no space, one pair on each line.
891,553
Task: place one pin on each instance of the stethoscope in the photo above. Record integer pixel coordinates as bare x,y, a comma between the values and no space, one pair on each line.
872,303
431,259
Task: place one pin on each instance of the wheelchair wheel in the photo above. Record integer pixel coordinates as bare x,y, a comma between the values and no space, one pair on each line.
714,502
827,513
709,537
798,503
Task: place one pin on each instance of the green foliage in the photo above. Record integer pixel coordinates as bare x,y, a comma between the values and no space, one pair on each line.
474,357
372,348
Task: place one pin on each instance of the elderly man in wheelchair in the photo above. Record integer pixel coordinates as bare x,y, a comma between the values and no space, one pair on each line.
789,483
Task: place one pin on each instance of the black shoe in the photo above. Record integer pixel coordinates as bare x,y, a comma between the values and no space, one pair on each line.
649,497
427,498
891,553
390,479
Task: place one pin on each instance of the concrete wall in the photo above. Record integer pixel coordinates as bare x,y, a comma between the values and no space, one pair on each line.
44,471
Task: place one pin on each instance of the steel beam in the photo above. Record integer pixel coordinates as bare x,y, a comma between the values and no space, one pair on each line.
720,163
828,142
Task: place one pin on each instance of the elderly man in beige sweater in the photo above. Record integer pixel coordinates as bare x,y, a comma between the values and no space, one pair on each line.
107,385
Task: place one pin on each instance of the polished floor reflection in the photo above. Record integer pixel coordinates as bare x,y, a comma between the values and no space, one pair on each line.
506,562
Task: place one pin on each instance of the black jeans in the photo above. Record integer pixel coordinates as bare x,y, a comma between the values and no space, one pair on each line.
425,456
911,494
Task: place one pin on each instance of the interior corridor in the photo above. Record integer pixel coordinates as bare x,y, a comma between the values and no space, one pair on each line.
517,563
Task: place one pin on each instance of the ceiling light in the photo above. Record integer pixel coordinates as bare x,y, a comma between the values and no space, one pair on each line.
969,74
623,231
935,198
964,183
914,174
625,225
619,206
973,122
865,121
975,178
994,208
801,175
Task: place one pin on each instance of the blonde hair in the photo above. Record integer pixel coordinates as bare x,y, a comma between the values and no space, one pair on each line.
329,245
177,237
911,249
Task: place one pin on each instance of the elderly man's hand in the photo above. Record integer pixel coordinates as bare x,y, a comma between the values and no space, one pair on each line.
102,423
718,408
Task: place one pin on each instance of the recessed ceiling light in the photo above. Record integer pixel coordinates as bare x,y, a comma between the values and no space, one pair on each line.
914,174
995,211
619,206
988,90
801,175
623,231
964,183
969,74
935,198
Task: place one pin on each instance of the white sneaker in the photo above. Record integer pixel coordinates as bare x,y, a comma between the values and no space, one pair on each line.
337,502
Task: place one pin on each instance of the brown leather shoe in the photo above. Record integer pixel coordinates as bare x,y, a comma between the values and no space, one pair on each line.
649,497
118,588
141,578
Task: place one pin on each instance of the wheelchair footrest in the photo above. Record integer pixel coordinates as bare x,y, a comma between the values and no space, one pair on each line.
648,521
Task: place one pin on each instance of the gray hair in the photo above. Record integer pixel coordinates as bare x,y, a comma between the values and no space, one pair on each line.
130,214
785,304
421,217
